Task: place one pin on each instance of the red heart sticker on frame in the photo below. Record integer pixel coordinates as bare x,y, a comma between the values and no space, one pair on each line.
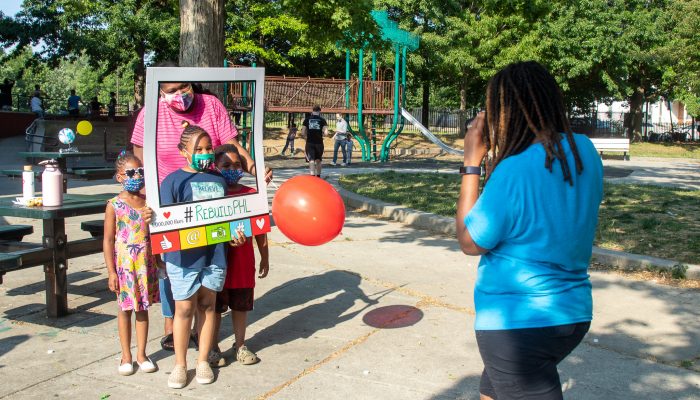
166,214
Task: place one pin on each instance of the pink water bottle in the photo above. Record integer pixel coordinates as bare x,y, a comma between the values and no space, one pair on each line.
51,184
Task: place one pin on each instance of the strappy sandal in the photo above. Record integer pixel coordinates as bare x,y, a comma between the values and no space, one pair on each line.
167,342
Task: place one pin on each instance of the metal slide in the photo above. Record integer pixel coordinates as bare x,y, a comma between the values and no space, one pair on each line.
429,134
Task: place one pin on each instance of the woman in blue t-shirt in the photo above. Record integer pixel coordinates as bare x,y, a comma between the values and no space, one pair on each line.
533,225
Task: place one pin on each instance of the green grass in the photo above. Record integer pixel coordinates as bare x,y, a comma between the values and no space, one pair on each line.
666,150
651,220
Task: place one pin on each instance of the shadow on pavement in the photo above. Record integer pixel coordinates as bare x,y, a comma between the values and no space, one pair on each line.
38,287
339,288
673,349
466,388
9,343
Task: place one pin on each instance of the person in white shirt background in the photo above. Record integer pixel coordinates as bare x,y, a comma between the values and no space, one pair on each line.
340,140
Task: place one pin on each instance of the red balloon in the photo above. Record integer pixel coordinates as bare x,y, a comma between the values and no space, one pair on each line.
308,210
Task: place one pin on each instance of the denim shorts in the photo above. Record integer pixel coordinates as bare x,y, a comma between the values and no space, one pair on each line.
184,282
522,363
167,303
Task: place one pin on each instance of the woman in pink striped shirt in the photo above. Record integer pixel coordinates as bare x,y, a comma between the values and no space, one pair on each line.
180,105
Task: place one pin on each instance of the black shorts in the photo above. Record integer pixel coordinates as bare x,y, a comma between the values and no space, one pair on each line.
522,363
235,299
314,151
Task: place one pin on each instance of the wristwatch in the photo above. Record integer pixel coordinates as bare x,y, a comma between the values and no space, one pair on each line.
469,170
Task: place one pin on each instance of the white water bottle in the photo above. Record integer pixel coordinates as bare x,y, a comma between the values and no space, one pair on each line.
27,182
52,184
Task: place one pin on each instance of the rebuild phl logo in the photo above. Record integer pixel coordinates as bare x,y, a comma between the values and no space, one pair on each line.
204,235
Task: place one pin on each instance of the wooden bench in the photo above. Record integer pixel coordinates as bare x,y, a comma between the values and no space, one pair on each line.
95,227
17,173
9,262
15,232
94,172
620,145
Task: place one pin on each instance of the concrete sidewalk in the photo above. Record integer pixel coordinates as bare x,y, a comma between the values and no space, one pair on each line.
384,311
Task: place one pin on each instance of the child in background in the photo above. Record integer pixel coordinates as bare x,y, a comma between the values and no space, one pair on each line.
290,139
238,290
195,275
112,106
132,270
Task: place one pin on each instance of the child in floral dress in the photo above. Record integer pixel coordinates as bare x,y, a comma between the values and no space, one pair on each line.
132,268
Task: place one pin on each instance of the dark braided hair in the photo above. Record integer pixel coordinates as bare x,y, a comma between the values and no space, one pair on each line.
189,132
123,158
524,105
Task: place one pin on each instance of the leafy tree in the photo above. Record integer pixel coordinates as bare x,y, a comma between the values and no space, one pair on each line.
121,34
680,77
427,20
483,39
294,37
77,73
643,35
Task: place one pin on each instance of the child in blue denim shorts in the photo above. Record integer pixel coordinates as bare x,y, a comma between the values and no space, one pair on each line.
195,275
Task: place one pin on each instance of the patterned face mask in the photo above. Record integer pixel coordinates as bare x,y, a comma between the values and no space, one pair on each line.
178,101
133,184
232,176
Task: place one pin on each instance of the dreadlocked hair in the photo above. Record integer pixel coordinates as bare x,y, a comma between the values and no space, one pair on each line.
123,158
188,133
523,105
221,151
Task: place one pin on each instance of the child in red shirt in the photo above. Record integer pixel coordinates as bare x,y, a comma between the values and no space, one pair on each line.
238,292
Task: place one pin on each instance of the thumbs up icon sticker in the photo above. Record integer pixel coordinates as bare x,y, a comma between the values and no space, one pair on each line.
165,244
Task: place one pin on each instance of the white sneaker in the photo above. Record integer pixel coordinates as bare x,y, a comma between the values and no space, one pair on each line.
343,165
333,164
147,366
126,369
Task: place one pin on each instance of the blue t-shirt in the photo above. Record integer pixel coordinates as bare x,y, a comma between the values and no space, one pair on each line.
182,186
539,231
73,102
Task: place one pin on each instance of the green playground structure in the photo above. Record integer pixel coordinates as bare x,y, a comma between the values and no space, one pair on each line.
365,98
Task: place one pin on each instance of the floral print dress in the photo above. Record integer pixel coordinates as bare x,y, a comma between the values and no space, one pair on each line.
136,268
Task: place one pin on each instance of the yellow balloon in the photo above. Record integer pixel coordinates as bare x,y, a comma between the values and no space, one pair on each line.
84,128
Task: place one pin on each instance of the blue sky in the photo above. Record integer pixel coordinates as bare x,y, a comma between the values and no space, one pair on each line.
10,7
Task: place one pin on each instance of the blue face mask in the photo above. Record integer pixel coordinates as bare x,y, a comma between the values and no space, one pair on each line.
133,184
232,176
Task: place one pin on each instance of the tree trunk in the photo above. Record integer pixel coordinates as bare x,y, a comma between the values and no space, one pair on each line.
670,116
634,125
463,105
425,111
202,33
202,36
140,75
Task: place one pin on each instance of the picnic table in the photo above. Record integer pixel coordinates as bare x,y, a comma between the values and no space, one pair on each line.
55,249
58,156
61,158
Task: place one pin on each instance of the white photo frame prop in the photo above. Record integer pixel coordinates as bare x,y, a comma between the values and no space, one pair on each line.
195,224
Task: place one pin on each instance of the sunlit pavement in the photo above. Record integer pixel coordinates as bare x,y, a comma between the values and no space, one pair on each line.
384,311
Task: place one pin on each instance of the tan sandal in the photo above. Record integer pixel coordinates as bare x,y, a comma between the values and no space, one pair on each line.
246,357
